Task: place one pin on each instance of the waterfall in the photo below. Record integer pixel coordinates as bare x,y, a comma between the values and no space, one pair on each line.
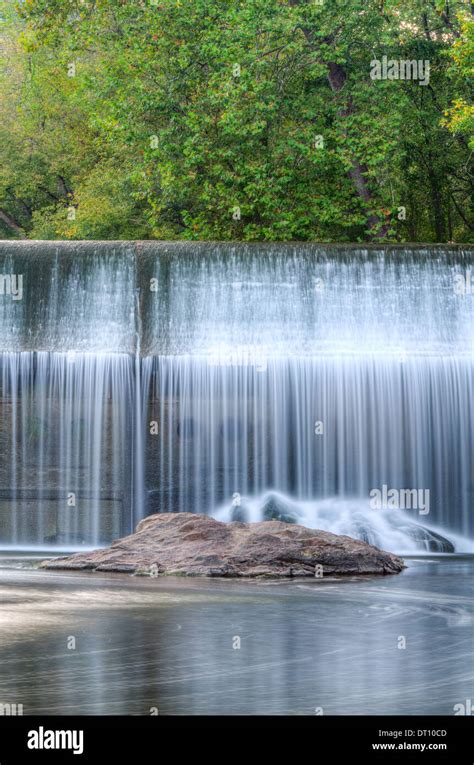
63,440
315,429
245,381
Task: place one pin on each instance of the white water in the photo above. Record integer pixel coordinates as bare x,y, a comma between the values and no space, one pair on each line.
326,429
263,344
319,373
228,301
398,530
64,448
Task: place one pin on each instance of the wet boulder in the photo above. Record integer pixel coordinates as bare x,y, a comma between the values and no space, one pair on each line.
197,545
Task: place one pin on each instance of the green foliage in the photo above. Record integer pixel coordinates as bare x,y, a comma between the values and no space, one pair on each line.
461,114
217,119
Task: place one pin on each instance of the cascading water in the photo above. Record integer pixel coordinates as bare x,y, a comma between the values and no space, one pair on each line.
320,375
64,430
246,381
313,429
67,391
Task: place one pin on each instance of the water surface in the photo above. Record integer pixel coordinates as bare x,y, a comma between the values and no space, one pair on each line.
305,645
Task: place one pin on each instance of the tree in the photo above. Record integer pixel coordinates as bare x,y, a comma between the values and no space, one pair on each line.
215,119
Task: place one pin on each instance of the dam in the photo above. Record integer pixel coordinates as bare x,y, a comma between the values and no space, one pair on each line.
247,381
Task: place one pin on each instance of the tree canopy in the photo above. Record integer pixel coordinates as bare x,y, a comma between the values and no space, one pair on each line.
251,120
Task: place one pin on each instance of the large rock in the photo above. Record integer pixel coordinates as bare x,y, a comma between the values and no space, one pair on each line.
197,545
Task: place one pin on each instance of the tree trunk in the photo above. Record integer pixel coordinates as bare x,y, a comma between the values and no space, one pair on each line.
358,172
11,223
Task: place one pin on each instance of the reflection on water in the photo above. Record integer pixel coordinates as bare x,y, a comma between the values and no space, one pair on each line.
168,643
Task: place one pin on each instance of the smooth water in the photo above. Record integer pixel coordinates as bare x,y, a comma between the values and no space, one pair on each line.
154,377
330,428
251,302
306,647
64,472
75,297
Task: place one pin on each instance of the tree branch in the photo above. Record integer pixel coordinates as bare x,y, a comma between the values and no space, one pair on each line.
11,223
